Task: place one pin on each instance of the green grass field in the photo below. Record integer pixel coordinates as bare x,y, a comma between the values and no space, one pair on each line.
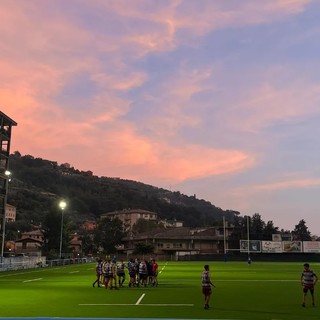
258,291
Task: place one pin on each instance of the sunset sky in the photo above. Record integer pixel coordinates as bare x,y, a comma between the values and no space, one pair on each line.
210,97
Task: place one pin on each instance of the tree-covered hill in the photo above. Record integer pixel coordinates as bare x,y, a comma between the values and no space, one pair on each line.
38,185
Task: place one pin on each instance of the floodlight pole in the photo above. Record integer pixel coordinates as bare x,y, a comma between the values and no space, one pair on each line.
62,206
224,239
248,232
7,174
224,236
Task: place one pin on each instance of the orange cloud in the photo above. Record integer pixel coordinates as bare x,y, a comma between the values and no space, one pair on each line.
120,151
136,157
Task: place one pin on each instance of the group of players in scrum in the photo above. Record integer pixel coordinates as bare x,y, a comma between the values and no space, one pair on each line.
112,274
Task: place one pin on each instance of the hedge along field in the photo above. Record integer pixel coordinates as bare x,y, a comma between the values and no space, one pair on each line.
256,291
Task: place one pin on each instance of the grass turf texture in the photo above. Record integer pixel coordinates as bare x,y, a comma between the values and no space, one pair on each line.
256,291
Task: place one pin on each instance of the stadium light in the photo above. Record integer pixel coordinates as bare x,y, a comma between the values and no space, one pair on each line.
62,205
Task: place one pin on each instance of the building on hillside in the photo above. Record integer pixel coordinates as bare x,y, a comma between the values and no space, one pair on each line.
130,216
76,245
30,242
171,223
28,245
11,213
35,234
180,241
89,225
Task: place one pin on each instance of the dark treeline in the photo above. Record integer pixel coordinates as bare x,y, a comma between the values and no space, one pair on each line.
37,186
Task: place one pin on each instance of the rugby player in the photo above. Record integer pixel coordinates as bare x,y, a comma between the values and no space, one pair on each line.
308,281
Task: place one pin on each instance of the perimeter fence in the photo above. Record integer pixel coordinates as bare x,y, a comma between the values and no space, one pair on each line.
267,257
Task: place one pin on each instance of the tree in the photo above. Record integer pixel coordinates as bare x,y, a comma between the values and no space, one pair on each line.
238,233
143,248
269,230
257,227
109,234
52,232
301,232
88,244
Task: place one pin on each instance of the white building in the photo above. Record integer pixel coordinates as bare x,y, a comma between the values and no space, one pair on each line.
130,216
10,213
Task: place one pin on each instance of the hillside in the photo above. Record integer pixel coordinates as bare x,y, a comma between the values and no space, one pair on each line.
37,186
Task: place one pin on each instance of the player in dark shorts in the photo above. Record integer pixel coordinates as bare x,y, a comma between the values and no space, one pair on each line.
121,273
113,276
143,273
308,281
149,270
107,272
98,272
132,273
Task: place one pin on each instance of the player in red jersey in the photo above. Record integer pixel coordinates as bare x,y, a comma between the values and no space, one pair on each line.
154,273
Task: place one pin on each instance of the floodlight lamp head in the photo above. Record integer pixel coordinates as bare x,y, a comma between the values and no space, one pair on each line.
7,173
62,205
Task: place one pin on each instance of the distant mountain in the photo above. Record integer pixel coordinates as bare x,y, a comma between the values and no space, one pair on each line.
37,186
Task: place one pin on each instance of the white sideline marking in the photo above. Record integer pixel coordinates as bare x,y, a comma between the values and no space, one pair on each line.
257,280
168,304
33,280
74,271
139,300
141,304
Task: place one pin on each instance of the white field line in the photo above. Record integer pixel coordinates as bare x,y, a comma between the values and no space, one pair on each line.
141,304
234,280
74,271
32,280
140,299
163,268
18,273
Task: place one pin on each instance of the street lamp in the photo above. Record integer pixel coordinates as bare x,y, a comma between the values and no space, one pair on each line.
7,174
62,206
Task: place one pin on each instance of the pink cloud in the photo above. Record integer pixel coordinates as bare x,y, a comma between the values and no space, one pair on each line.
43,50
118,81
290,184
267,104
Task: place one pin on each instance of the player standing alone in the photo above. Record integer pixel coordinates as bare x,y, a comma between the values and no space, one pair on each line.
206,286
308,281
